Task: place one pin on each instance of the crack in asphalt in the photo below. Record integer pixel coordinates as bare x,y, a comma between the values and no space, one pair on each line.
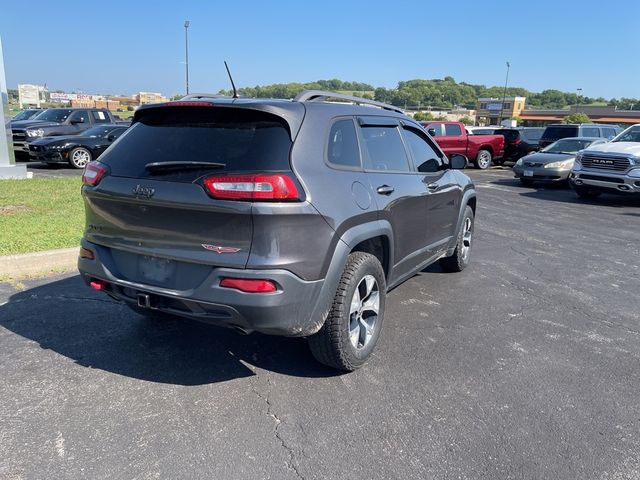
291,464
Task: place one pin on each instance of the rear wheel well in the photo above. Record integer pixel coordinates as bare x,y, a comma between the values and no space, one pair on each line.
472,204
379,248
487,148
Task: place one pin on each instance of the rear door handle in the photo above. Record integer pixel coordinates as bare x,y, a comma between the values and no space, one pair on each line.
385,190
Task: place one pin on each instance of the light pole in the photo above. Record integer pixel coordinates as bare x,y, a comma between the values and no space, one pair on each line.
504,93
579,90
186,52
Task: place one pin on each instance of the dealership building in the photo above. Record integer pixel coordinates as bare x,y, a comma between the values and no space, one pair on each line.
492,111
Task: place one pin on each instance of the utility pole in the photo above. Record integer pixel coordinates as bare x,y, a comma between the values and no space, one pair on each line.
504,93
186,52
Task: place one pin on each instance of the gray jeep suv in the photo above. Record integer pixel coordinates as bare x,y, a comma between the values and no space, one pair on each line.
283,217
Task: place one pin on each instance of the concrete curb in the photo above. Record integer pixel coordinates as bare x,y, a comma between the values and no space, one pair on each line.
31,264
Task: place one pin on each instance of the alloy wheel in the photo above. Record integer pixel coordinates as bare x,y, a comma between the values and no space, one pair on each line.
363,314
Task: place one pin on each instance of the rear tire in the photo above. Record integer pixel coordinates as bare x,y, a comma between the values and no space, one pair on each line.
352,328
459,260
483,159
586,193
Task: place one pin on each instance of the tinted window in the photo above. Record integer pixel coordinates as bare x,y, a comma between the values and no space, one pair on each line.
567,145
435,129
242,140
100,117
531,134
608,132
590,132
554,133
343,144
509,135
384,149
452,130
425,158
82,115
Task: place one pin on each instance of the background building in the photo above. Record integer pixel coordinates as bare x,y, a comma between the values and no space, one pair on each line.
150,97
491,111
597,114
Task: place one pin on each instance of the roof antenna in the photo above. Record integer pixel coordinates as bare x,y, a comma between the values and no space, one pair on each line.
235,93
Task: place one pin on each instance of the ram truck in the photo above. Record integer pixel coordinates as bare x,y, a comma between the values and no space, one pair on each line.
612,167
452,138
55,122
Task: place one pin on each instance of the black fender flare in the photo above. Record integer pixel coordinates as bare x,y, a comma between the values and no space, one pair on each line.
466,197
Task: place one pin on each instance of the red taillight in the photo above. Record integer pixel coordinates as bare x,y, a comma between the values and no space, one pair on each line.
98,284
86,253
249,285
252,187
93,173
516,142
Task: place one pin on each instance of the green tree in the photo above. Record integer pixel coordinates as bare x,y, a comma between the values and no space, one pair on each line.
467,120
423,116
577,118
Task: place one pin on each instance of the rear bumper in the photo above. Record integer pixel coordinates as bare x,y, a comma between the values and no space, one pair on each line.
605,182
290,311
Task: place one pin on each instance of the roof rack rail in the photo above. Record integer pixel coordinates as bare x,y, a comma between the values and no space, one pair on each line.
321,95
191,96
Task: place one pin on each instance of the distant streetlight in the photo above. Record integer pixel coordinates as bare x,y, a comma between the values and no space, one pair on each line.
579,90
504,94
186,52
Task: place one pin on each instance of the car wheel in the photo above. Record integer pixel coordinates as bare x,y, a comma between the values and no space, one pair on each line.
483,159
459,260
526,182
79,157
586,193
353,326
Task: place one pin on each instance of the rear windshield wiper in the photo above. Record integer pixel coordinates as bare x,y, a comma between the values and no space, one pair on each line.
166,166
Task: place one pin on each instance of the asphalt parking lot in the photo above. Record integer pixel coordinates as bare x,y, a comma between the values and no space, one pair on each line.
42,170
525,365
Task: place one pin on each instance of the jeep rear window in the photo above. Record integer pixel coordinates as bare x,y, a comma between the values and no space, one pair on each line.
555,133
243,140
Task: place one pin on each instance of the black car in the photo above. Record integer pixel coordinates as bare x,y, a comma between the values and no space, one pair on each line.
76,150
284,217
519,142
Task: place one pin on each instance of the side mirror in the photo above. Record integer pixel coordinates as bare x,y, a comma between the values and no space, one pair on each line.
458,161
432,132
77,120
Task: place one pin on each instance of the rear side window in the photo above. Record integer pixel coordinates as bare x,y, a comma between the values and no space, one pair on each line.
425,158
242,140
452,130
555,133
590,132
608,132
532,135
100,117
384,149
509,135
343,145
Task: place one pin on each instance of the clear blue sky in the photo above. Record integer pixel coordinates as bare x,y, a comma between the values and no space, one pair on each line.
119,46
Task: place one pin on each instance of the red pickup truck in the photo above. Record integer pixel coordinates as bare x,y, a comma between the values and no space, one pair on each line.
453,138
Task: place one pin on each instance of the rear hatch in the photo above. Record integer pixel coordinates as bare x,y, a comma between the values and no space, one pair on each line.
556,132
152,213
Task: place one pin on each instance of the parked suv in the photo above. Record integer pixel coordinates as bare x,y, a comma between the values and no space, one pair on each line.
519,141
557,131
283,217
612,167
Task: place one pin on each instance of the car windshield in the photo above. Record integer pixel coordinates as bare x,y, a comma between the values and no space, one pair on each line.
26,114
97,132
567,145
54,115
631,134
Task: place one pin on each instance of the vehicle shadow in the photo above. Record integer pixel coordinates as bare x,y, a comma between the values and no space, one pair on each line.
563,193
94,331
